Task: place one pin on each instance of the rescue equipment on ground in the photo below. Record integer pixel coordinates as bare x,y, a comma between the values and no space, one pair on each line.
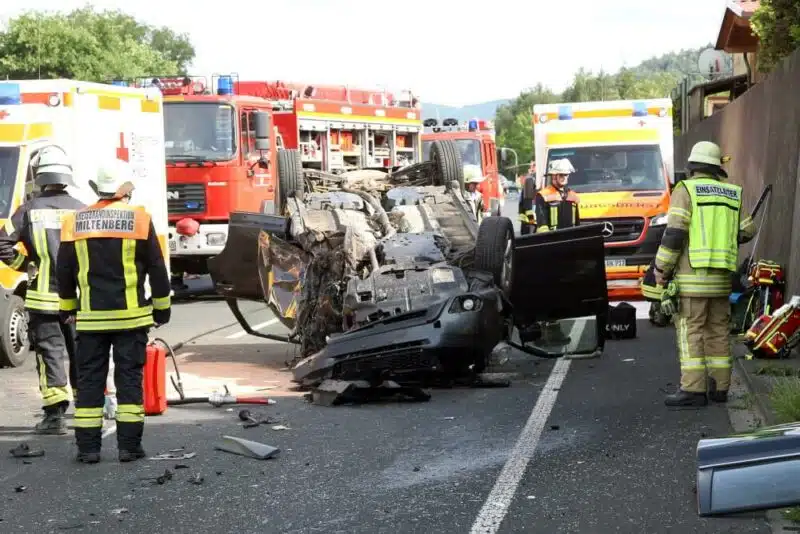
775,335
621,321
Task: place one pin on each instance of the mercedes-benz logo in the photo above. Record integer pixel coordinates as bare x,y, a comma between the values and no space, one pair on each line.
608,229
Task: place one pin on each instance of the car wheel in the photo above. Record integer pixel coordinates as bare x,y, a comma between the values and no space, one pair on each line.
15,343
494,251
448,166
290,176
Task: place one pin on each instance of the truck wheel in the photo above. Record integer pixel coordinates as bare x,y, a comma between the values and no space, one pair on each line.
447,163
494,251
290,176
14,345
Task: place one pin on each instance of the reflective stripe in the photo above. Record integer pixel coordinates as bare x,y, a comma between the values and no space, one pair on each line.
719,362
679,213
68,304
703,285
114,325
50,395
110,315
688,362
554,217
542,228
666,257
88,417
131,277
82,252
19,259
40,244
161,303
130,413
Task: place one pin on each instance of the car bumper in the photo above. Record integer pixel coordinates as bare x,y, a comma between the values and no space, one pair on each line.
626,265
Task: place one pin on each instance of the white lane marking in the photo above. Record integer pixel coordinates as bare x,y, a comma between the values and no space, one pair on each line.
496,506
259,326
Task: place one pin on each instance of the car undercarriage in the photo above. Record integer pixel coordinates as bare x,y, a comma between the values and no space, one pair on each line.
390,276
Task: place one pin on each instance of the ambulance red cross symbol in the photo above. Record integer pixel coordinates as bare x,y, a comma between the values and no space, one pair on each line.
3,114
122,150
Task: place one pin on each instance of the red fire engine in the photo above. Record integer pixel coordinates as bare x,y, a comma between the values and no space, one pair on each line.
337,128
476,141
223,154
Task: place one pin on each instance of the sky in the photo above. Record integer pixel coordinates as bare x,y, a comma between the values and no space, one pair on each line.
445,51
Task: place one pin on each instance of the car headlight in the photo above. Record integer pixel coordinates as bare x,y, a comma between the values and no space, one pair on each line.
659,220
468,304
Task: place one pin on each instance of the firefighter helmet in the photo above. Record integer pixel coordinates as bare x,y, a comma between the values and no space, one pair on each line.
560,166
473,174
708,153
113,181
52,167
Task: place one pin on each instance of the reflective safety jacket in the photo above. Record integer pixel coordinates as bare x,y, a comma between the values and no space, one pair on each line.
527,215
651,291
704,230
37,225
556,209
107,251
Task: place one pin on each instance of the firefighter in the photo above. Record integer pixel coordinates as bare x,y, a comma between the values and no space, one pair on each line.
556,205
527,213
472,180
699,257
37,225
107,251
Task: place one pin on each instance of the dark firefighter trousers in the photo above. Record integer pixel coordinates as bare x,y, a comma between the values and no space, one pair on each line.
53,342
130,349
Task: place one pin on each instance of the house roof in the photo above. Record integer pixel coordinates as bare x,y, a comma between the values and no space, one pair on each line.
735,35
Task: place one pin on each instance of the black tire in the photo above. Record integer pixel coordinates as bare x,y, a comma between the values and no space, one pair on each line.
448,167
290,176
14,341
494,251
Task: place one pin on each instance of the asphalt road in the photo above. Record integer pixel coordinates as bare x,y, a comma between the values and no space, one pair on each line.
582,446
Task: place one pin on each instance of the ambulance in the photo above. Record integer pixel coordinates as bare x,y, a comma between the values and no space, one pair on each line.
95,124
622,152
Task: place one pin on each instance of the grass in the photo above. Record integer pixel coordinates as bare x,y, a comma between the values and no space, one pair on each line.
791,514
785,399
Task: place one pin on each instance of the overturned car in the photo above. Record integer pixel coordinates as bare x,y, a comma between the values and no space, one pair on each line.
389,276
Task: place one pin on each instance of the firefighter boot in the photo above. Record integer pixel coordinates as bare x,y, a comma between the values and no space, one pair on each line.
53,422
687,399
714,395
88,457
131,455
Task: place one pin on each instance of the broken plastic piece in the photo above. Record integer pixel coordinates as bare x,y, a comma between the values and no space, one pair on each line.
168,456
23,450
246,447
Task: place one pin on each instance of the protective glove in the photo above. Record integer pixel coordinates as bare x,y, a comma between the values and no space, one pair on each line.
161,316
669,299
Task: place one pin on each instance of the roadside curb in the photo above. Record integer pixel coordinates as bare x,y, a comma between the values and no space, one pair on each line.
761,405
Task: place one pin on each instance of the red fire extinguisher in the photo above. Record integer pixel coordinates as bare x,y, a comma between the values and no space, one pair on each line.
155,377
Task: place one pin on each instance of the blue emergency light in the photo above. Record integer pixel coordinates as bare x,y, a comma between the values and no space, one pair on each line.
564,113
191,205
640,109
119,83
10,94
472,125
225,85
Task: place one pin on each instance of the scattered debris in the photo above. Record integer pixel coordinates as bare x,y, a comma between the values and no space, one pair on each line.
197,479
554,427
161,479
20,489
448,418
119,511
246,447
181,466
628,360
531,497
251,421
171,456
23,450
280,427
417,469
337,392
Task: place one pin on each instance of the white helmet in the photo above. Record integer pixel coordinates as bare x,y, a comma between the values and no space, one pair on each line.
473,174
560,166
52,167
113,181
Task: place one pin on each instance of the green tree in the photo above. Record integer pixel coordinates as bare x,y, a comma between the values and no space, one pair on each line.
777,24
91,46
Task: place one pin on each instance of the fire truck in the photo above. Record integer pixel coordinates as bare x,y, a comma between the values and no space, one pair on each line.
476,142
336,128
223,154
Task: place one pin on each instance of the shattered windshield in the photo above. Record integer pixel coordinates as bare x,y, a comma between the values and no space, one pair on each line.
9,163
470,151
613,168
199,131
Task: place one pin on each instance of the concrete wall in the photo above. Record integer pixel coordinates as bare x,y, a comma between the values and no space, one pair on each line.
761,132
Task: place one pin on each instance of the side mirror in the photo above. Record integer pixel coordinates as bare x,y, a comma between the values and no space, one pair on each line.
262,126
